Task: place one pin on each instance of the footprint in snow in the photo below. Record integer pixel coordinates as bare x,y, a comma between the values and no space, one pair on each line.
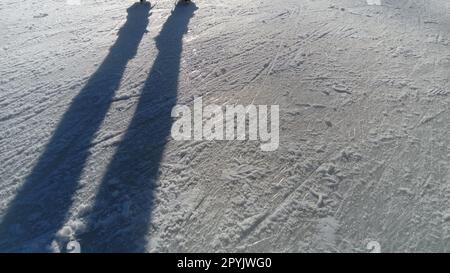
41,15
341,89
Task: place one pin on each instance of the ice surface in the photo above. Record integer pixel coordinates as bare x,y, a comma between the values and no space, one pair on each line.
87,158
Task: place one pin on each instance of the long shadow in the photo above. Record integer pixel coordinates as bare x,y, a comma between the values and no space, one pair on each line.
39,208
122,212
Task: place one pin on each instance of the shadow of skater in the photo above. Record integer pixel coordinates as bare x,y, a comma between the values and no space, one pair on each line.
122,211
39,208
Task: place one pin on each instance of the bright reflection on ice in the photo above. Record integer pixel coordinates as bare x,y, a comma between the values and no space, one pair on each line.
73,2
374,2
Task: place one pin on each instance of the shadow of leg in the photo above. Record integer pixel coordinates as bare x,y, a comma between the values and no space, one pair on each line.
39,208
122,210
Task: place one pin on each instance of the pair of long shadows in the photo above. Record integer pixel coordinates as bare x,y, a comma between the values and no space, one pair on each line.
121,214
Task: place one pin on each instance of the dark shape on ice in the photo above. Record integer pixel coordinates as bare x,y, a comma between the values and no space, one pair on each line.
136,162
40,206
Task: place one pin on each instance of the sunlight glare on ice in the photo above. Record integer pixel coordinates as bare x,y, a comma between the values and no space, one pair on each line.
374,2
73,2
